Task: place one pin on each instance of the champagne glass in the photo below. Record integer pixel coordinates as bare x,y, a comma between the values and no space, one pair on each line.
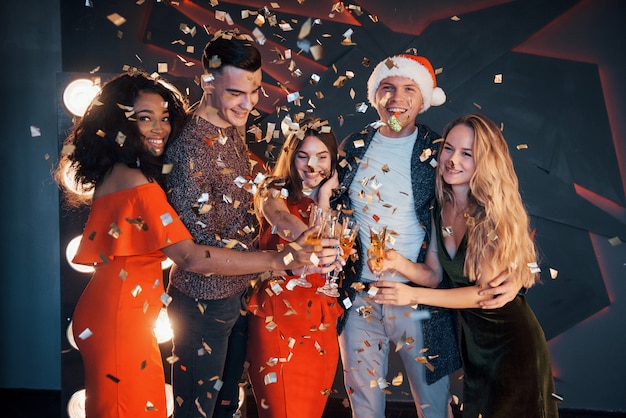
331,229
349,230
316,219
378,234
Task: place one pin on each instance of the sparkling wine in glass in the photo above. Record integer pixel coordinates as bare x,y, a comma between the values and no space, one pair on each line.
378,234
349,232
332,230
316,219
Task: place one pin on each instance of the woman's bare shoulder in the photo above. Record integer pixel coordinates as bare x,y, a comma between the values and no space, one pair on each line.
120,178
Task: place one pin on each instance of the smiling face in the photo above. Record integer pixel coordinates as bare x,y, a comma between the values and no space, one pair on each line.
402,97
313,161
456,160
232,94
153,121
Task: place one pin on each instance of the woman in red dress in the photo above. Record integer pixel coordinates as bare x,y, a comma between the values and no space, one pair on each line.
114,153
292,333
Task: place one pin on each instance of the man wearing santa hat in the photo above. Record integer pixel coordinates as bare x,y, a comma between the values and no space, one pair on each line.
387,178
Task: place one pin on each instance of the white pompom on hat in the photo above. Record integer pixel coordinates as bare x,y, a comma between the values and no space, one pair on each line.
410,66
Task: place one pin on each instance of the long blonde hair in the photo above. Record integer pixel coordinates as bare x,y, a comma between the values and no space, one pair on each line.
498,228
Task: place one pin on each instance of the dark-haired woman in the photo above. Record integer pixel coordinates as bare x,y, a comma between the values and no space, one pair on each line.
292,332
114,153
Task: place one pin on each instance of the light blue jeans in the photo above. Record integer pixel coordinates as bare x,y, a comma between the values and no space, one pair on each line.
364,345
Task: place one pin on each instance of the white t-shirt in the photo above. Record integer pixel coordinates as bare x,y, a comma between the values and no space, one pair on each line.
382,188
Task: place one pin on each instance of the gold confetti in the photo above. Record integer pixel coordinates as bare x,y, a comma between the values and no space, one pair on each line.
167,168
115,231
139,223
615,241
305,29
116,19
402,342
295,246
423,360
317,52
288,258
522,146
136,291
534,267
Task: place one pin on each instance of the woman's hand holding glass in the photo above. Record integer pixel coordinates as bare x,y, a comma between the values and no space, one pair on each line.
331,230
313,236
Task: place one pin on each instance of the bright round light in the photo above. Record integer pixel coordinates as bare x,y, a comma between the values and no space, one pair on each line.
70,335
167,263
76,404
78,94
70,252
69,181
162,328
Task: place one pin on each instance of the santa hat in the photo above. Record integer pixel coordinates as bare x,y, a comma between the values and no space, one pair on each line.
414,67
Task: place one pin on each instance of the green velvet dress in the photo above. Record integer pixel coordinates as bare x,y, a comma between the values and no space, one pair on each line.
506,362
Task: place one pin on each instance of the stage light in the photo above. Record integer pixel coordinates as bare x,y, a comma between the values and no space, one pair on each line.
167,263
69,333
162,328
72,247
70,252
76,404
69,181
79,93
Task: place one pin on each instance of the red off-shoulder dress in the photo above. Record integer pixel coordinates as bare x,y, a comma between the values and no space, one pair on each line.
115,316
292,341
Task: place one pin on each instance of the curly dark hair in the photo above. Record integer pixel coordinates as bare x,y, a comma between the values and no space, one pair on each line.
92,147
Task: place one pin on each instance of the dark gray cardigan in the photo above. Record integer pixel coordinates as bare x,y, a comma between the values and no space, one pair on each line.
440,330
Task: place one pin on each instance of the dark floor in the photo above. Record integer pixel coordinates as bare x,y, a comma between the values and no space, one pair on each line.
23,403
